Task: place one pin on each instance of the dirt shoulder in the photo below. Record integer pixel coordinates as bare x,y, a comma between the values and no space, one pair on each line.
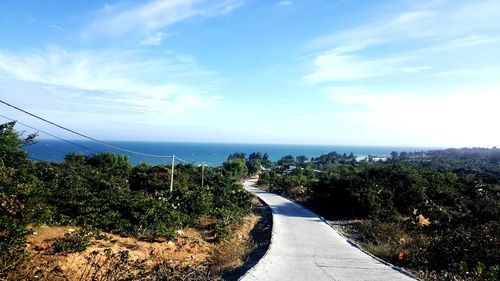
258,240
192,255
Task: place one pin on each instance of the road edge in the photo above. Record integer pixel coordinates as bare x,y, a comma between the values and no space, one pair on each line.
349,241
355,245
250,270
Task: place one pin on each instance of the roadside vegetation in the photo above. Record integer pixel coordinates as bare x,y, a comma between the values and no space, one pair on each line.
103,196
435,213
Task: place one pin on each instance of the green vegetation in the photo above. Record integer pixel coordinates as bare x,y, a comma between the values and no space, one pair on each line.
433,211
238,166
73,242
105,192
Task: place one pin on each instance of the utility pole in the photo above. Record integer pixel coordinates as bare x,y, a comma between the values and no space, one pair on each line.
202,173
172,174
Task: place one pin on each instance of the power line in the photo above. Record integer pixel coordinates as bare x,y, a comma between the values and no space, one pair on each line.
93,139
182,160
85,136
68,141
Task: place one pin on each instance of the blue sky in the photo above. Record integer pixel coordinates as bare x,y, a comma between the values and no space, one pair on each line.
409,73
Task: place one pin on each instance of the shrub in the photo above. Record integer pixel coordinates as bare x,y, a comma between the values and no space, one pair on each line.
103,191
77,241
457,192
235,169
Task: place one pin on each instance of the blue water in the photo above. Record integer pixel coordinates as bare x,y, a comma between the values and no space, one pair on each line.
212,153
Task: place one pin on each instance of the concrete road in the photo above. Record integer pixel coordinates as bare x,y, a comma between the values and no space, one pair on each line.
304,247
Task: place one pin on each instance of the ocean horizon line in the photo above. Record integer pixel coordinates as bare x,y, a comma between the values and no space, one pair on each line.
254,143
55,150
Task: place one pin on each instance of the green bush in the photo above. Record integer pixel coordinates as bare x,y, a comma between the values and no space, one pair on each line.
105,192
458,191
235,169
77,241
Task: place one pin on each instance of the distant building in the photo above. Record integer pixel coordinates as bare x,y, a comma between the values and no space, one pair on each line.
290,169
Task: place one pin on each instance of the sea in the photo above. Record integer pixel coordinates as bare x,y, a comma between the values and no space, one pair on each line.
212,154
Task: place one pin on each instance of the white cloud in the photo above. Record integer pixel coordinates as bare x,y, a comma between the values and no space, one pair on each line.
466,20
459,118
408,24
461,42
468,72
108,70
149,17
335,66
414,69
338,91
121,80
285,3
154,39
54,26
411,34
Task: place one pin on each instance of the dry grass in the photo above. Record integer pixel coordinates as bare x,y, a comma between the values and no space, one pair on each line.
232,253
111,257
387,241
229,255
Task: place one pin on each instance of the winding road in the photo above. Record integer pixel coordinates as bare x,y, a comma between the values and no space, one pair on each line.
304,247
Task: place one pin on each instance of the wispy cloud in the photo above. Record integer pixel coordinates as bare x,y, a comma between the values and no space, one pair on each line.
127,79
149,17
55,26
470,19
154,39
342,55
112,69
336,66
482,72
404,25
285,3
461,42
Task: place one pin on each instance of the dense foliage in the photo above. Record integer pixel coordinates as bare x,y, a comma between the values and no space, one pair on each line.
105,192
238,166
434,210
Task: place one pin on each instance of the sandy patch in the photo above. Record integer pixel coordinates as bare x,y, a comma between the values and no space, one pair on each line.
113,254
188,249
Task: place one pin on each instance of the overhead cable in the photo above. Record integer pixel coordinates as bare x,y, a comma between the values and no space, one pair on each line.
85,136
52,135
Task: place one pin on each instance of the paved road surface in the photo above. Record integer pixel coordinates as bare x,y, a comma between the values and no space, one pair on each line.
303,247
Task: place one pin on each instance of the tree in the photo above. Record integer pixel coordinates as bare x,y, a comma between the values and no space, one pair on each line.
75,159
16,187
253,166
115,163
403,156
10,145
237,156
235,169
301,159
255,156
394,155
262,158
286,160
